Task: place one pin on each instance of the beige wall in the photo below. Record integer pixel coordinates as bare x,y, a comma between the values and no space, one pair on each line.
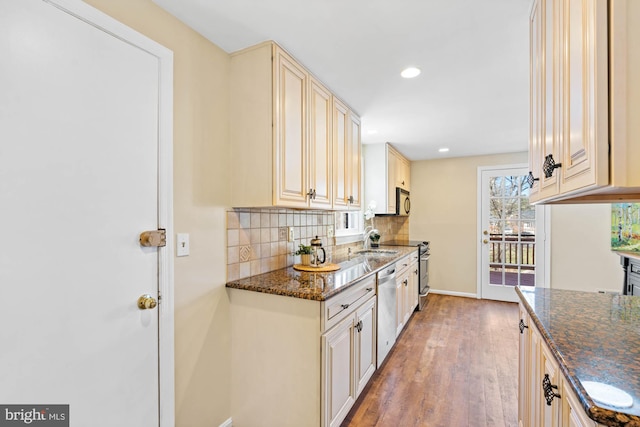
201,194
580,241
444,211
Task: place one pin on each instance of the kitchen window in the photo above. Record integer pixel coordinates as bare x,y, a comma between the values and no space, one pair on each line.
348,226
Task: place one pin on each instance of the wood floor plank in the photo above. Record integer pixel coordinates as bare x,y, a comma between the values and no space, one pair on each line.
454,365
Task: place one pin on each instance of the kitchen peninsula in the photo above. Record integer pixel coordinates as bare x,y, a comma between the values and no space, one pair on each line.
304,344
579,354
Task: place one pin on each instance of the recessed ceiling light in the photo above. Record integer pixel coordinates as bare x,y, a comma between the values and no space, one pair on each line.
411,72
443,150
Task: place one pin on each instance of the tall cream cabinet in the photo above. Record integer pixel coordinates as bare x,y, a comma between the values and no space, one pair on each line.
282,134
584,96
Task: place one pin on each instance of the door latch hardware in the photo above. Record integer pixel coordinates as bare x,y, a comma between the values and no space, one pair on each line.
153,238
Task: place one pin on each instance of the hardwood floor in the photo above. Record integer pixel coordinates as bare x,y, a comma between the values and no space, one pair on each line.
454,365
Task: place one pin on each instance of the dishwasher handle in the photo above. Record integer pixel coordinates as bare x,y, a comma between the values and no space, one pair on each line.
387,274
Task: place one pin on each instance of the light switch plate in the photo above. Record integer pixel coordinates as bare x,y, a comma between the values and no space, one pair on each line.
182,244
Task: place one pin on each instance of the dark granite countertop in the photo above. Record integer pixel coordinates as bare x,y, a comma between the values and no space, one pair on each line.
594,337
321,286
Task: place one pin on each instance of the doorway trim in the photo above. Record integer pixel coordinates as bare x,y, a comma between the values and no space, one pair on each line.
544,273
166,362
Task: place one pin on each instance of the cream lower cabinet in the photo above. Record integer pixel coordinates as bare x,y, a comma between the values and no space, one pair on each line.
406,290
297,362
349,360
545,398
583,95
281,134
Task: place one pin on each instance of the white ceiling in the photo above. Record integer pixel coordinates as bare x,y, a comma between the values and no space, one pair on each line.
471,97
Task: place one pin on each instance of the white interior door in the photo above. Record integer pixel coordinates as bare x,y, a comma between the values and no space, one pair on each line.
79,170
511,234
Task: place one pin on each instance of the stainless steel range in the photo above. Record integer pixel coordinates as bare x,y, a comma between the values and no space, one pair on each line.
424,251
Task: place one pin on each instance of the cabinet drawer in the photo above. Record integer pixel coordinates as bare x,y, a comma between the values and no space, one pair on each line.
337,308
404,263
634,268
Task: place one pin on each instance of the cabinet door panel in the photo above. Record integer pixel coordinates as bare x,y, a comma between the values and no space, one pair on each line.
355,168
524,369
365,348
539,145
551,91
320,140
585,94
549,414
290,133
572,413
392,165
340,154
338,354
535,385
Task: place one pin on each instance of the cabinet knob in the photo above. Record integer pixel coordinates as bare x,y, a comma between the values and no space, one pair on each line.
531,180
522,326
548,389
549,166
312,194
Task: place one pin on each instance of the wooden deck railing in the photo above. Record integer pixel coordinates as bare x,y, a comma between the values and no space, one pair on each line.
526,247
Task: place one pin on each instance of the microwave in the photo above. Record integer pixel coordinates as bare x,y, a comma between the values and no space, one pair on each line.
403,203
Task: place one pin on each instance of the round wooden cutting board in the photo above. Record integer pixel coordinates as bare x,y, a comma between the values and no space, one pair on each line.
322,268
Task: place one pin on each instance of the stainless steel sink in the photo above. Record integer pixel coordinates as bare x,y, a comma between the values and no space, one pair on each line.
376,252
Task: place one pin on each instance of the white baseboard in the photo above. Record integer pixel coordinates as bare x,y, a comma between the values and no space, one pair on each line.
453,293
227,423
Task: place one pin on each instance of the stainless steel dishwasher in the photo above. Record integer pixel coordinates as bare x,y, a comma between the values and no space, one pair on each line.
386,311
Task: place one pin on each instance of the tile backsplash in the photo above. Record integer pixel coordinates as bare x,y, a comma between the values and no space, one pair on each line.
257,239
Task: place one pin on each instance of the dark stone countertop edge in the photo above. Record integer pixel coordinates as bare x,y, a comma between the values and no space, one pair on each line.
403,251
597,413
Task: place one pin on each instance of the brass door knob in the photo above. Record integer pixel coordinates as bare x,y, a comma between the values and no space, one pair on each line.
146,301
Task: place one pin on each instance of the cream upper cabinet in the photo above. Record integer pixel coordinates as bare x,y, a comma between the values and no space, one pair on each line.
282,132
355,159
583,97
320,145
385,169
346,157
291,147
402,169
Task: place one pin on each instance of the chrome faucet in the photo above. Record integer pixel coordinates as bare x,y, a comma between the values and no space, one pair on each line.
368,231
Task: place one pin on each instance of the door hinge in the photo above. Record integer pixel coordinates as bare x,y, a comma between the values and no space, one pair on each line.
153,238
